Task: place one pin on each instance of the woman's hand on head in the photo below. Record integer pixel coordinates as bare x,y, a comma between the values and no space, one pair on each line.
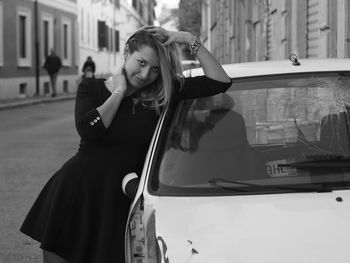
169,37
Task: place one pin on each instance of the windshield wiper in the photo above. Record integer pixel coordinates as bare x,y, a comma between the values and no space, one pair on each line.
319,161
218,182
229,185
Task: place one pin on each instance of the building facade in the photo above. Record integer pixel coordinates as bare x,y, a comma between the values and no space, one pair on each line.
28,30
74,28
252,30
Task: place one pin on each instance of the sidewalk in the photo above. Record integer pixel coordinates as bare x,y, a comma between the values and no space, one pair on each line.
15,103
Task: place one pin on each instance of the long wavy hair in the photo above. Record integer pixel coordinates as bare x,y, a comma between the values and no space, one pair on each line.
158,93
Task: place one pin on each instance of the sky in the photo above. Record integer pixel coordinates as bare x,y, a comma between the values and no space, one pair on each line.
168,3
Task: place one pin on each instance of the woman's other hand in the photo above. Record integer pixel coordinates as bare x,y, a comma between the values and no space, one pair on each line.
119,90
169,37
120,83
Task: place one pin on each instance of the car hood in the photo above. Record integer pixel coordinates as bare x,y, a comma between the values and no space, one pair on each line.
303,228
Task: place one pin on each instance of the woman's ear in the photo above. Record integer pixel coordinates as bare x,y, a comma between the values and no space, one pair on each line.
126,51
124,61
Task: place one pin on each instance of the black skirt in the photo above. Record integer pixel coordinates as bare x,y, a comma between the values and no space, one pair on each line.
81,212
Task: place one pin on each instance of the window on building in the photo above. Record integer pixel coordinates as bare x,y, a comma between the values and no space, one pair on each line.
93,32
22,36
22,90
47,35
46,86
76,44
65,86
66,33
82,25
24,41
1,35
323,50
88,29
102,34
116,40
341,29
117,3
110,38
134,4
46,38
65,43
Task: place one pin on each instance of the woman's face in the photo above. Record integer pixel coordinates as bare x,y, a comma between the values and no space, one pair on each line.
142,67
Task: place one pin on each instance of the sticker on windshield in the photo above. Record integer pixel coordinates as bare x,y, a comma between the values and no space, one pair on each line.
274,169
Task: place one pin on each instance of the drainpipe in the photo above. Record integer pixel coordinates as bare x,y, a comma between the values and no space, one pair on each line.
113,35
36,33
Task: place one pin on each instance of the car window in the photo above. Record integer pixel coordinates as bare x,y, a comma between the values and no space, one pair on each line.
264,135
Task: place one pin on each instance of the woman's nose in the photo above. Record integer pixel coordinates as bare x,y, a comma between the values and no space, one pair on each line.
145,73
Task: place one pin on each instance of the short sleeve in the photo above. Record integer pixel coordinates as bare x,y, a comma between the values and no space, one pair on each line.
87,119
201,86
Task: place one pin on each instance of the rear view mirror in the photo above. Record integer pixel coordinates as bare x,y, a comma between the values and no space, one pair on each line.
130,185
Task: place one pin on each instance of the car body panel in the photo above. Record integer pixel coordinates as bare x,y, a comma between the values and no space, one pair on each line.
261,68
304,228
280,227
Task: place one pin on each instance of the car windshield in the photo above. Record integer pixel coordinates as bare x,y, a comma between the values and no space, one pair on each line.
281,133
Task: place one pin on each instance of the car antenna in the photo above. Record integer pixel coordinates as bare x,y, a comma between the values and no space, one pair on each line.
294,59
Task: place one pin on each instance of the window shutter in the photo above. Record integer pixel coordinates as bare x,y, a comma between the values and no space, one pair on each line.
116,40
102,34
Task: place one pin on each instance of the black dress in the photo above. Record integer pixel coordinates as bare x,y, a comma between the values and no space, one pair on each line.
81,212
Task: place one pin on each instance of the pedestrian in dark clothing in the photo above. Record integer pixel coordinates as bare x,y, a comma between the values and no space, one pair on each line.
53,65
89,68
80,215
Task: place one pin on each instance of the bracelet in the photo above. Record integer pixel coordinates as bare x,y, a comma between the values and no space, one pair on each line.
116,91
194,47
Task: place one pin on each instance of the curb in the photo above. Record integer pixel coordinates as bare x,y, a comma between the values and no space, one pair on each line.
33,100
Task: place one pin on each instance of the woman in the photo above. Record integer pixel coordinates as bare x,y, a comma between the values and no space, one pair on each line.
81,213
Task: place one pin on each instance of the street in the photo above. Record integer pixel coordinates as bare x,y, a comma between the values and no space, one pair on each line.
35,141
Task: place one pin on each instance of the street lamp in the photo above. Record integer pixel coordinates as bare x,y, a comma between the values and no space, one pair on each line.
36,36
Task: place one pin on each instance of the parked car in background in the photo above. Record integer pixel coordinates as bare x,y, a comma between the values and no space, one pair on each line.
190,64
260,173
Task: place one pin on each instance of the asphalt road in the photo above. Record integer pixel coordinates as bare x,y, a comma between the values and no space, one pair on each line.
34,142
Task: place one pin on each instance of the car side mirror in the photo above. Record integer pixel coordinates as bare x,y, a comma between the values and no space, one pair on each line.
130,185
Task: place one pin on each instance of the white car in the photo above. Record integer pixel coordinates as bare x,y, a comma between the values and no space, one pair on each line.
258,174
190,64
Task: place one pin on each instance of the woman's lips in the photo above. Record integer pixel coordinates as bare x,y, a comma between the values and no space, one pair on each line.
139,80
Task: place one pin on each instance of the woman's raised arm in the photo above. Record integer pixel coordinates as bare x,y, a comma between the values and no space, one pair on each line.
211,67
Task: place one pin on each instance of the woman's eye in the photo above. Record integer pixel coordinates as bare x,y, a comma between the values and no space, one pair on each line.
155,69
141,62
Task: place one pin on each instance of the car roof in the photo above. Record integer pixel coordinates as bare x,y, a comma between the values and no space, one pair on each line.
192,62
273,67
